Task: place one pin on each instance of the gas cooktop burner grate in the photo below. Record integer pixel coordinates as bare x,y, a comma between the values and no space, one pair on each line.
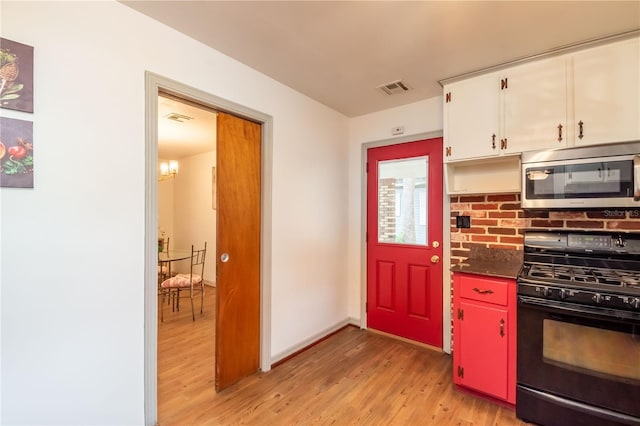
585,275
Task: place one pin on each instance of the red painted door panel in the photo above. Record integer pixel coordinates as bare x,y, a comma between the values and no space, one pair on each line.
404,232
484,353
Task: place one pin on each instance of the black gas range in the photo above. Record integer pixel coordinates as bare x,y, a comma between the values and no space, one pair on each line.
585,268
579,328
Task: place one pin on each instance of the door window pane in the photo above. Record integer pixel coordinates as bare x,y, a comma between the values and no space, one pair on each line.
403,201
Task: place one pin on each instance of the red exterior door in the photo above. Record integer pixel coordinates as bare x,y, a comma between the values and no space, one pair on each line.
404,236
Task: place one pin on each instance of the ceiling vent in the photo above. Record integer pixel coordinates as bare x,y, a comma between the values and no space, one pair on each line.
394,88
178,117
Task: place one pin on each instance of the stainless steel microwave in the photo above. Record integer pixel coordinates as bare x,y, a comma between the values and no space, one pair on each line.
603,176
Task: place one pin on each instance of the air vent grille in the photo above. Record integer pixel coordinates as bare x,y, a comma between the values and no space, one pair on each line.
178,117
394,88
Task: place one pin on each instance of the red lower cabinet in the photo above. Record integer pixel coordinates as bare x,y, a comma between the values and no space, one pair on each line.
484,335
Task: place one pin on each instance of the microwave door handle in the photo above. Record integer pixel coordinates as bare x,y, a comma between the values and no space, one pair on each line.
636,177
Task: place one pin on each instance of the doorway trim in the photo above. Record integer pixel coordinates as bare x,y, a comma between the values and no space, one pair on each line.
155,83
446,235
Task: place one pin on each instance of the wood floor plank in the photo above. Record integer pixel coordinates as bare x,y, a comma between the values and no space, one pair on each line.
351,378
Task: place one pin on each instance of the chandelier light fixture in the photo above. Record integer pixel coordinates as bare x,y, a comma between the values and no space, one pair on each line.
168,170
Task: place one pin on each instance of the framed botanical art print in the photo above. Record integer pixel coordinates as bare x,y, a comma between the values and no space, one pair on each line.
16,153
16,76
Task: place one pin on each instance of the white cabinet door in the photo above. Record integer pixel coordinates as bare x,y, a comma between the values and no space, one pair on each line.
607,93
472,118
535,106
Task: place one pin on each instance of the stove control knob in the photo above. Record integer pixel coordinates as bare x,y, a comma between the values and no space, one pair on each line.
546,291
597,298
564,293
635,302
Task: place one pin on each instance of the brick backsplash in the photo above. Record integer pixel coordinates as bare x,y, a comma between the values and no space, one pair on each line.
498,221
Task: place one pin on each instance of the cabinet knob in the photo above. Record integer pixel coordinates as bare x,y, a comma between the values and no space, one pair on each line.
501,327
493,141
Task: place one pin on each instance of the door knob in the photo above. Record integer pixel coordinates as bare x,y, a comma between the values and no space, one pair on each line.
224,258
435,258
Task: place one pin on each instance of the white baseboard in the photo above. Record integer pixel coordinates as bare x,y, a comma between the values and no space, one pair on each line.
313,339
356,321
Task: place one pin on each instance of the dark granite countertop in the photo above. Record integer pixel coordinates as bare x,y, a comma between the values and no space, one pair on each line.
491,262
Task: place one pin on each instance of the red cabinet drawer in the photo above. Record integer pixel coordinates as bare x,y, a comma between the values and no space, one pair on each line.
483,289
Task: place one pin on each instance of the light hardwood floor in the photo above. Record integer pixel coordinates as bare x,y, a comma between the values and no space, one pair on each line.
352,378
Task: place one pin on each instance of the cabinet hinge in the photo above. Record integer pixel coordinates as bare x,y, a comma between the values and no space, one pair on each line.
366,167
503,143
366,306
460,314
460,372
447,97
366,237
504,84
447,151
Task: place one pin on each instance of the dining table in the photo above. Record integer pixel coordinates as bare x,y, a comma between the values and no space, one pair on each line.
172,255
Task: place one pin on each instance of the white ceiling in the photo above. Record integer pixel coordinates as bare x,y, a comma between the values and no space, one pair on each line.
179,139
338,52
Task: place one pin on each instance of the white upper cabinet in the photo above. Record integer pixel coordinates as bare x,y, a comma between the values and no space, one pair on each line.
586,97
535,106
472,118
519,109
607,93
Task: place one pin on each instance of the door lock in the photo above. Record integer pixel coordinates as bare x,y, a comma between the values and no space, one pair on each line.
435,258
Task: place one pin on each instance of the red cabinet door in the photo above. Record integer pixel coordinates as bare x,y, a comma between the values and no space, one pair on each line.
484,353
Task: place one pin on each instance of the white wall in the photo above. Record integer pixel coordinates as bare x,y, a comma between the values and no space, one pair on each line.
417,118
194,217
73,247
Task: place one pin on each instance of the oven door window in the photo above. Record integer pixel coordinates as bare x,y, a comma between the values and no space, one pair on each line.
580,180
595,351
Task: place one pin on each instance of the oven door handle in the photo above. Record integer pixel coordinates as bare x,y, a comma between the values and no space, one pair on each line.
571,309
636,178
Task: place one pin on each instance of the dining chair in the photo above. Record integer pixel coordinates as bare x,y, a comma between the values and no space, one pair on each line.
193,281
